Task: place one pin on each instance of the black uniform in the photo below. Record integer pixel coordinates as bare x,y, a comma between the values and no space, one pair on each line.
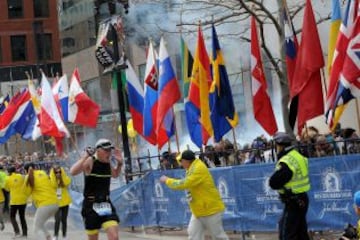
292,225
97,207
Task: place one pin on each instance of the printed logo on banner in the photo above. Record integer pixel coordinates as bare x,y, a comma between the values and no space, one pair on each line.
185,201
161,203
132,200
269,199
333,197
228,200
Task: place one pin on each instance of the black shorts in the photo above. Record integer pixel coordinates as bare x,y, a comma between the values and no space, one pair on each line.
91,219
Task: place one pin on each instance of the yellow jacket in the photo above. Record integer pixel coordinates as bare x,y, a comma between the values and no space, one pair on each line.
43,193
3,176
14,184
204,199
63,194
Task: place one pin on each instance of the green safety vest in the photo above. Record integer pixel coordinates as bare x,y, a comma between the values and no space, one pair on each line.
298,164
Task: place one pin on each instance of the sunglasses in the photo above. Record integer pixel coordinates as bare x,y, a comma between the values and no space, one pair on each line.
106,145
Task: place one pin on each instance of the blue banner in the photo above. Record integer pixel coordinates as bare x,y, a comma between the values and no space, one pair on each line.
251,205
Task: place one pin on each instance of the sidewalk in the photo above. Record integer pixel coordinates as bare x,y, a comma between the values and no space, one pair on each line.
125,233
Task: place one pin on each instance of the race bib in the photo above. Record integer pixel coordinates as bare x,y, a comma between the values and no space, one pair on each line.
102,209
58,193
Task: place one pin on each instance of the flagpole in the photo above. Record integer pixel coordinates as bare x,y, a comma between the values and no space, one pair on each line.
357,111
176,132
323,80
124,134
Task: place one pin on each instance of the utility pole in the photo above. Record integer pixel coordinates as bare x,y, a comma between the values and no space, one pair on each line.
125,138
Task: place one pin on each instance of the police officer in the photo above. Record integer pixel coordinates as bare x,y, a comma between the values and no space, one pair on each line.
291,180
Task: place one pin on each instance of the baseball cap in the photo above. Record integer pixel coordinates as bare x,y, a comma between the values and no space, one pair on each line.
357,198
283,138
186,155
104,144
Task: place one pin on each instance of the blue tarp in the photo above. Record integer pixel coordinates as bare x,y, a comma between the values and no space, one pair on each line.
250,204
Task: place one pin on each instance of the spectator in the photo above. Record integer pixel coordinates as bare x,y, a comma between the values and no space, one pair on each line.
323,147
61,182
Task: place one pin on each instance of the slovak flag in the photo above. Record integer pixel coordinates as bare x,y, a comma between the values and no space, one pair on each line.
61,94
151,71
81,109
51,123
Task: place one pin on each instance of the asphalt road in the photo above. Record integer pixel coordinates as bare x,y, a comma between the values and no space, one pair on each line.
149,233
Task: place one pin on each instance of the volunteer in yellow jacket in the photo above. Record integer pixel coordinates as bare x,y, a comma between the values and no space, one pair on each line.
203,197
14,184
2,197
38,184
61,182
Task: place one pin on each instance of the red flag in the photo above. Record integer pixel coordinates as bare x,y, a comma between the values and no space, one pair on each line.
263,111
82,110
307,76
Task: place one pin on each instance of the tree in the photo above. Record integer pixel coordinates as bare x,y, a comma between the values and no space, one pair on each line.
222,12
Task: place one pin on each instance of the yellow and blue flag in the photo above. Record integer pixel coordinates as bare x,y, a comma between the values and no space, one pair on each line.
223,114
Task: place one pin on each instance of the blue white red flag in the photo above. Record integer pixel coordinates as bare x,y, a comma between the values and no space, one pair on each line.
136,102
61,94
168,95
11,115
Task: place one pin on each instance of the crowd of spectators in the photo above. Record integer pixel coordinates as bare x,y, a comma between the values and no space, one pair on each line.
310,143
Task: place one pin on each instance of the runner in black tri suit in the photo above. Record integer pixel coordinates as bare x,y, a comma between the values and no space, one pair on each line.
97,210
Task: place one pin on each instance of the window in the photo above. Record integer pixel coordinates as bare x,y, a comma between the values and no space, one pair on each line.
41,8
0,52
18,48
15,8
44,45
68,42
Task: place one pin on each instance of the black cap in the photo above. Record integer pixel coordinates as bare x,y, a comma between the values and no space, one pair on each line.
188,155
283,138
165,155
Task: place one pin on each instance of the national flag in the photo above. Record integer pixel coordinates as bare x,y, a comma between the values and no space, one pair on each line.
197,107
61,94
151,71
136,102
150,94
36,102
349,86
168,95
333,110
51,123
263,111
4,101
333,31
9,120
291,48
27,122
187,61
307,76
81,109
223,114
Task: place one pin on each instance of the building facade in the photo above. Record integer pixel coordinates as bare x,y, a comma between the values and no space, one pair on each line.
29,41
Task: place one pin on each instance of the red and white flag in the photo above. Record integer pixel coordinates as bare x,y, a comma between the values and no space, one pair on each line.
82,110
151,72
263,111
50,120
